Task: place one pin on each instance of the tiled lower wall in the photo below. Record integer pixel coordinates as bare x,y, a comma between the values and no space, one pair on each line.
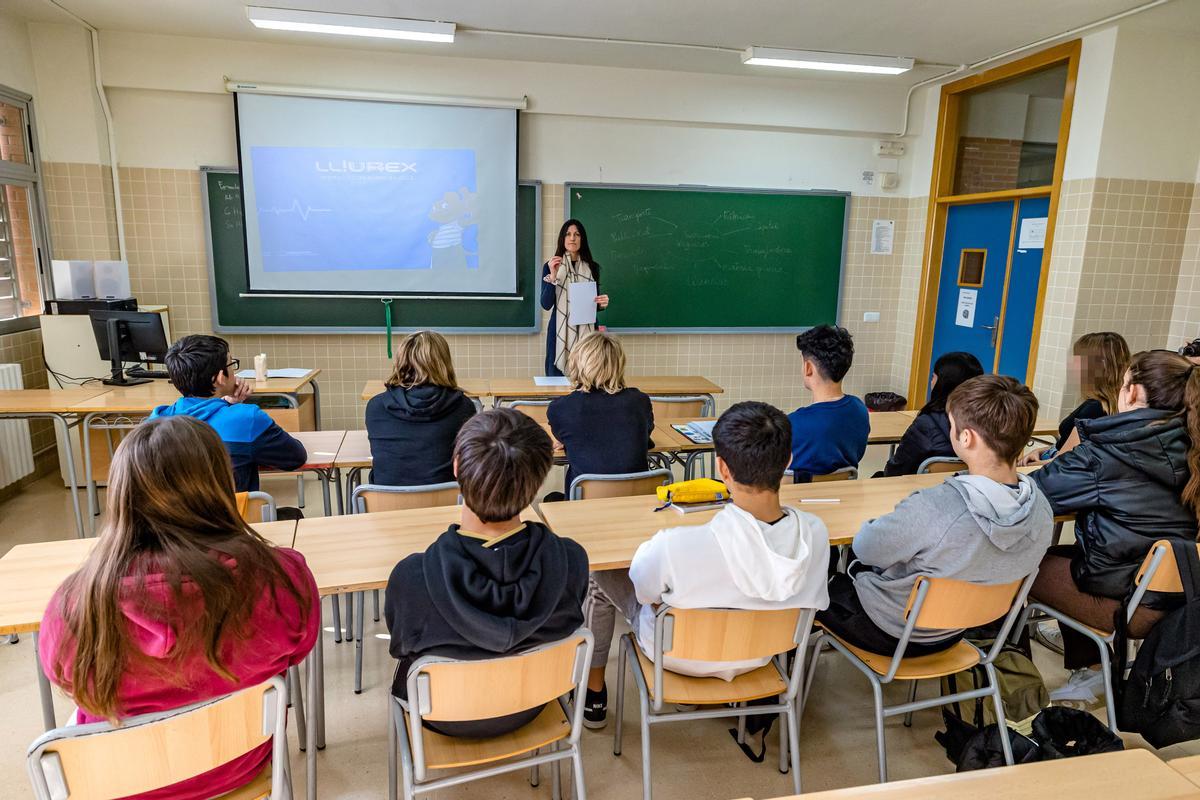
25,348
165,240
1121,262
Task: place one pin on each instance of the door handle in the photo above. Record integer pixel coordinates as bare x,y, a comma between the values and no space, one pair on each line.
995,326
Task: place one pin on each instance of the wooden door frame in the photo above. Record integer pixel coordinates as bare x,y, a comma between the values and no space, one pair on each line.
942,197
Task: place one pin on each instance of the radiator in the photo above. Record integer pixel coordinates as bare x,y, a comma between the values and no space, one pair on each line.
16,450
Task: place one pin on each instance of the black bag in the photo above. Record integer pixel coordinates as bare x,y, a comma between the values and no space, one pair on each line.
884,401
985,750
1064,732
1161,698
756,724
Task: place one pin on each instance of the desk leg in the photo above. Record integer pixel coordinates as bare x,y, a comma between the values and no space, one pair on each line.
310,751
61,424
93,501
43,689
319,698
337,485
324,476
316,405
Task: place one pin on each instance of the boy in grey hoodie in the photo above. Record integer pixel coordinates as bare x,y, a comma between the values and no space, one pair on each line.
991,525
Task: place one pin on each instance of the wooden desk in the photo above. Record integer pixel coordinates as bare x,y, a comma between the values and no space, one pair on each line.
1189,767
30,573
56,405
471,387
1127,774
888,426
322,447
514,388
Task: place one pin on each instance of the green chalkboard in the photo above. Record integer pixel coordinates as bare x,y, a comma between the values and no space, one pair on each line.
714,259
235,312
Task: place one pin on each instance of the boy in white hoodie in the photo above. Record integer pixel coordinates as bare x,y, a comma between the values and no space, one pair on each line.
754,554
989,526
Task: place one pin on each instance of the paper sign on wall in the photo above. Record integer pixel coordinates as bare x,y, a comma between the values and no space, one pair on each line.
882,233
965,315
1033,234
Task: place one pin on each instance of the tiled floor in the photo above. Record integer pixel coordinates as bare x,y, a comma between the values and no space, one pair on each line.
697,760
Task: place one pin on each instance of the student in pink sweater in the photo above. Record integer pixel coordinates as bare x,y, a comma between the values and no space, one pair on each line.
187,602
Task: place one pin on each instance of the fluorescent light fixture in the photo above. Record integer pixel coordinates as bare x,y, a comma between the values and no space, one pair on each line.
286,19
833,62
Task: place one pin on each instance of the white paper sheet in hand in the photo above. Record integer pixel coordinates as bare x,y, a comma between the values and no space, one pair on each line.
581,297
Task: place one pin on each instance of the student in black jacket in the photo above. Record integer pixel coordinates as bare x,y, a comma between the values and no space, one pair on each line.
604,426
412,423
1134,478
929,434
492,585
1098,364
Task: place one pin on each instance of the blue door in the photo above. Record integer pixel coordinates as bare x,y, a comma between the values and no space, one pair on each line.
987,295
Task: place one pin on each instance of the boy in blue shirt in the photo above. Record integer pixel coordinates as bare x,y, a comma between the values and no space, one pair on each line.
200,368
831,432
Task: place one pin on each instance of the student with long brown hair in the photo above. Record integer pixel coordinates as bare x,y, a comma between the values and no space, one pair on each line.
1098,363
412,423
1134,478
180,601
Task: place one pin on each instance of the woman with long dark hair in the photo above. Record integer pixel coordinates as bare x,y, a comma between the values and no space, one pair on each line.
180,600
929,434
572,263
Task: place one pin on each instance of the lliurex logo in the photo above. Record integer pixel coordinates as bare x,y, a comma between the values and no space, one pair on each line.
366,166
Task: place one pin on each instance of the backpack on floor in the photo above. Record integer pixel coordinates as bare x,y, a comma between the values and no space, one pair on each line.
1161,697
1056,732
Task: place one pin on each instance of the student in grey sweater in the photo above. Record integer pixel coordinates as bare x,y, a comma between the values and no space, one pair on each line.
989,526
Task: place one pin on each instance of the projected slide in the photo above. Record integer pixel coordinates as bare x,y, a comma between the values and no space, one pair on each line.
377,198
343,209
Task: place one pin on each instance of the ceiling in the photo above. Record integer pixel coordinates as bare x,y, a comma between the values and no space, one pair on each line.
931,31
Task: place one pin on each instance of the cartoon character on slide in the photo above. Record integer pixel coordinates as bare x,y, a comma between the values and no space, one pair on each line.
454,213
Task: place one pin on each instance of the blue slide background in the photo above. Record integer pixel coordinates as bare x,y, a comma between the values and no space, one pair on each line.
328,208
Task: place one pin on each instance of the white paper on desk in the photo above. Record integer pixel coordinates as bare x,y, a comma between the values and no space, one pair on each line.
551,380
581,299
286,372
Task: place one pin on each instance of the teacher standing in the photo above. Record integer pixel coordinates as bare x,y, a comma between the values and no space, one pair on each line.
572,263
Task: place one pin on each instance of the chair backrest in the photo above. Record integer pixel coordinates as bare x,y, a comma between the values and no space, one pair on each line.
720,634
843,474
629,484
256,506
100,762
371,497
445,690
667,407
941,464
535,409
951,604
1165,575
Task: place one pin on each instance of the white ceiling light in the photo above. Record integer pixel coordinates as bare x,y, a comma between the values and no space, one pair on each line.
834,62
286,19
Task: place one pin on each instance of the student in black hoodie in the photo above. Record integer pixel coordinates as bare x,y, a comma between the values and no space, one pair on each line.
412,423
491,585
929,434
604,425
1134,478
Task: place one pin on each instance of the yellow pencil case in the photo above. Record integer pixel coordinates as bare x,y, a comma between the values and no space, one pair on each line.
700,490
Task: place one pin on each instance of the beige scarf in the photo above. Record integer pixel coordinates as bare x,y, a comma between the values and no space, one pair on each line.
566,335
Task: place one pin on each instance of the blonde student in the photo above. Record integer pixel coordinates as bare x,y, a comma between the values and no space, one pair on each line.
412,423
604,425
180,601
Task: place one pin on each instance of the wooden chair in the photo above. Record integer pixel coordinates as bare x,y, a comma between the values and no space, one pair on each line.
627,484
937,603
1159,573
373,497
534,409
445,690
843,474
718,635
941,464
151,751
256,506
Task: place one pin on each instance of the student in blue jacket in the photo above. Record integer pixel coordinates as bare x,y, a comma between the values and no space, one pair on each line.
203,372
830,432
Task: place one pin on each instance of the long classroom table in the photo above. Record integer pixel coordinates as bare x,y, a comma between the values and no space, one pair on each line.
502,389
1132,774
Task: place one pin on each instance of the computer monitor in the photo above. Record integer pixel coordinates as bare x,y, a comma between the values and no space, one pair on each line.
129,336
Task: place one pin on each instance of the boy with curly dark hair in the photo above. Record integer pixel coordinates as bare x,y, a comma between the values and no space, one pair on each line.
831,432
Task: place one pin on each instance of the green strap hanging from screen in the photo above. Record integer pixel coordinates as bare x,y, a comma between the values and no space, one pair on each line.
387,316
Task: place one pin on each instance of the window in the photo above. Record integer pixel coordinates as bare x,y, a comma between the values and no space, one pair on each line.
23,247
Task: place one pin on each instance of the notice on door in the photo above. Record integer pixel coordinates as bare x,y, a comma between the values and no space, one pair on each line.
1033,234
965,315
